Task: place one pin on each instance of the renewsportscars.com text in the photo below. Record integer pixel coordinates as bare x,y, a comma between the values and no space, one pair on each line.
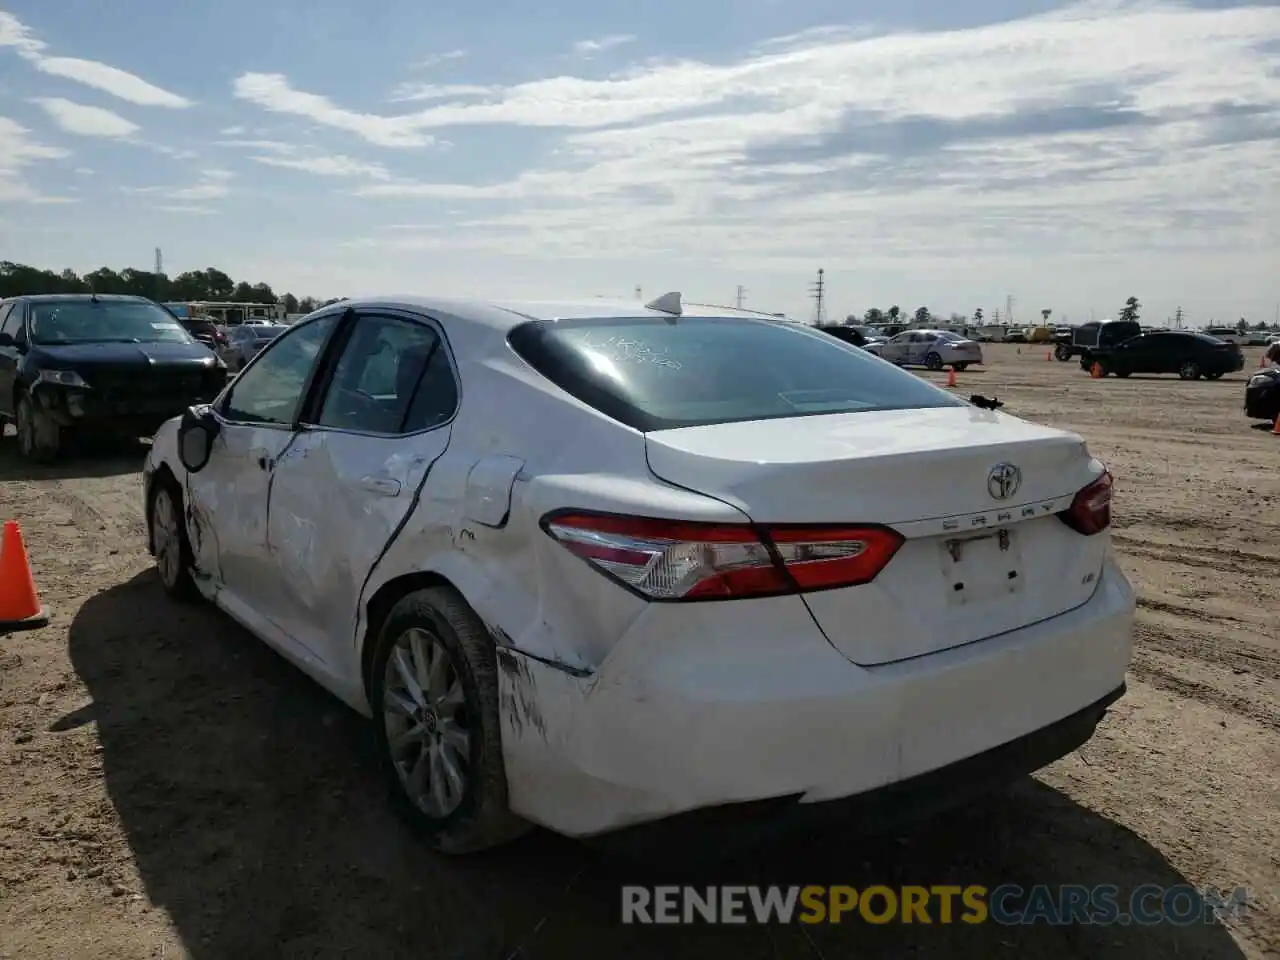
1008,904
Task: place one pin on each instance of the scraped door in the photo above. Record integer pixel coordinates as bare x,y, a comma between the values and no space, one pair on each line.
351,479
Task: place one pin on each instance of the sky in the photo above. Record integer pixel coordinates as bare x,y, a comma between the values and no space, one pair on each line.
920,153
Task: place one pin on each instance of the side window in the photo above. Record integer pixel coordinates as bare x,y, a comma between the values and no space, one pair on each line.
393,378
7,313
271,390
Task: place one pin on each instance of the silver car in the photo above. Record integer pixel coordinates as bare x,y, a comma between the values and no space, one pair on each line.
934,349
245,340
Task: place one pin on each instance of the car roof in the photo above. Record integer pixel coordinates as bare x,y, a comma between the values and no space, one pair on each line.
503,315
63,297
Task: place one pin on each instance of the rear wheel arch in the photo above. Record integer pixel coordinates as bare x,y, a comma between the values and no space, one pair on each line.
379,607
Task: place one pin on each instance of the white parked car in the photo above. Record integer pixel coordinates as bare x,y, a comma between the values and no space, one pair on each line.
933,349
594,565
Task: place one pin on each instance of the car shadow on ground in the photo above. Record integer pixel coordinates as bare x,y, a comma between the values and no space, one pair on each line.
257,820
85,457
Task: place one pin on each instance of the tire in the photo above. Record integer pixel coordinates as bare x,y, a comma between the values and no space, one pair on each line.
1189,370
959,367
169,544
1062,353
39,438
462,717
933,362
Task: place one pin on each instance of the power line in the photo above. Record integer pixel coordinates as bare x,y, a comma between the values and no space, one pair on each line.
818,292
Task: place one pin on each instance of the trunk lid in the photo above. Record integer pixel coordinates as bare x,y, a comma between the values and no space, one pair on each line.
982,555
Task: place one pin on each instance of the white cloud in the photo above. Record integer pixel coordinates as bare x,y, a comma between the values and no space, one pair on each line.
91,73
408,92
18,152
232,131
600,44
213,184
186,209
272,92
328,166
1053,134
437,58
272,146
86,121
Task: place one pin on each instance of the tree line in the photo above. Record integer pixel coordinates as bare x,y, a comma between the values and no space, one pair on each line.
17,279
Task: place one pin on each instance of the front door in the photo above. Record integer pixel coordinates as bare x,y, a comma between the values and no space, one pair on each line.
345,488
228,499
10,356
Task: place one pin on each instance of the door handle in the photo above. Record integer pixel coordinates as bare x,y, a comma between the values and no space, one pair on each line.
262,459
382,486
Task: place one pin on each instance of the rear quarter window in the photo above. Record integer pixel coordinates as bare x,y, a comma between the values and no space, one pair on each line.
657,374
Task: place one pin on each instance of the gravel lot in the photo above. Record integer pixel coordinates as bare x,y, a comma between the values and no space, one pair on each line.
169,788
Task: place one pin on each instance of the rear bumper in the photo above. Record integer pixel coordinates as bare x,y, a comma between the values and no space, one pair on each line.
874,811
685,715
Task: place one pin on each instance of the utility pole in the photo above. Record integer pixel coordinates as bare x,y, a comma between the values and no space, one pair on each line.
155,293
742,295
818,291
1008,308
1177,319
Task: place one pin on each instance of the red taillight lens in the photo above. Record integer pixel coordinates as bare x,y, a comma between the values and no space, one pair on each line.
1090,510
684,560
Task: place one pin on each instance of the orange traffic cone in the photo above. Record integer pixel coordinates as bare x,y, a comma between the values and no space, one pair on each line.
1275,429
1096,370
1262,361
1048,355
951,377
19,603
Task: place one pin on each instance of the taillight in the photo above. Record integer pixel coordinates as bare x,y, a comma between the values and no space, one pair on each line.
1090,510
684,560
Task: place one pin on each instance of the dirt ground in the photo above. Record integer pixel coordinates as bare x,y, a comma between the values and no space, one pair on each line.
169,788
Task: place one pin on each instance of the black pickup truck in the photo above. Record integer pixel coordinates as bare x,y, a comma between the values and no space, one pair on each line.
84,362
1094,340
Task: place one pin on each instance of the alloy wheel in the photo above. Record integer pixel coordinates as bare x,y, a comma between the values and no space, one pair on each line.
427,724
166,538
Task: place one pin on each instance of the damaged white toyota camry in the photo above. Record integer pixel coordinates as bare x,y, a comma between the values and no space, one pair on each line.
615,569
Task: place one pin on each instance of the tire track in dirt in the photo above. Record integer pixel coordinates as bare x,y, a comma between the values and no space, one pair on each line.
1144,668
1207,650
1189,613
1206,556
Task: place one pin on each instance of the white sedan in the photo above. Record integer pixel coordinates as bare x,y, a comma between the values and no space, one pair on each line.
595,566
933,349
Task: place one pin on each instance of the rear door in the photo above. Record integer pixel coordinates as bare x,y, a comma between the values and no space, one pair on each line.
349,482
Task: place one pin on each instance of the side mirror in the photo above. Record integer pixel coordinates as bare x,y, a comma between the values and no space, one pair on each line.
196,433
6,340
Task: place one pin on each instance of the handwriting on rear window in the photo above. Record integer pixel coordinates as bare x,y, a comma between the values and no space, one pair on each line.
627,350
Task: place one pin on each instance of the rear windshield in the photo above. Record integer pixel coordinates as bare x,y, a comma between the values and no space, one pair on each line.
103,321
658,374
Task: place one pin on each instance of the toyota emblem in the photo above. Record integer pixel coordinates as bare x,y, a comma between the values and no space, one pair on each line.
1003,481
